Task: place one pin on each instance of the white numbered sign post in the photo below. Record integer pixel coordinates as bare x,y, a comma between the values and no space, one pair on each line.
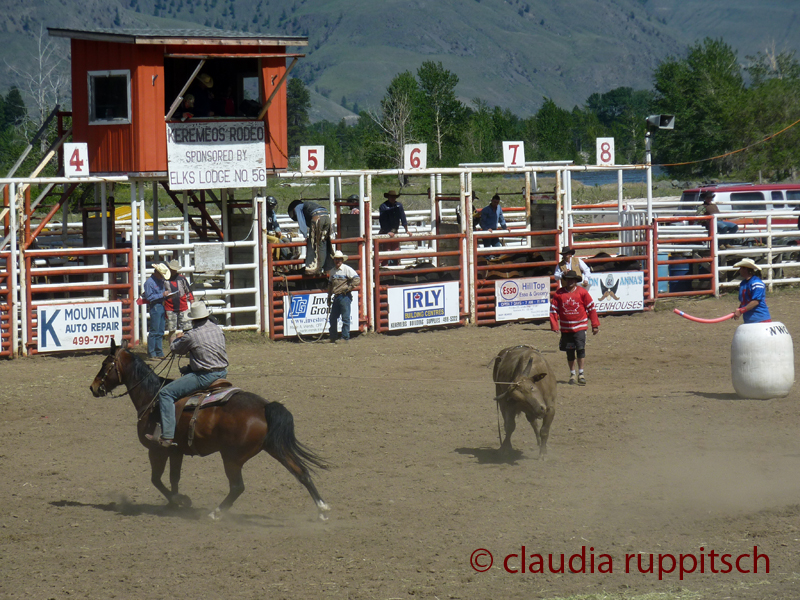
605,151
312,159
415,156
76,160
513,154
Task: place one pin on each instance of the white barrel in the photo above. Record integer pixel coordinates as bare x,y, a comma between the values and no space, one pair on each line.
762,360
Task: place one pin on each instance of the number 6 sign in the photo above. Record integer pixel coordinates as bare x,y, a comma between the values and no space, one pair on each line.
513,154
312,158
415,156
605,151
76,160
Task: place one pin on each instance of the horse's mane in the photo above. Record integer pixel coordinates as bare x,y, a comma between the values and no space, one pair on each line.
144,376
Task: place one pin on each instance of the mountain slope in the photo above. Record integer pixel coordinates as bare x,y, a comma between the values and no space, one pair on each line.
509,53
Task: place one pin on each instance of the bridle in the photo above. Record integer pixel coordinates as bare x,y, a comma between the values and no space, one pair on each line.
102,387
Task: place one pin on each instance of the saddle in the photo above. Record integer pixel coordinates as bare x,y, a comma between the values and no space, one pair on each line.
216,394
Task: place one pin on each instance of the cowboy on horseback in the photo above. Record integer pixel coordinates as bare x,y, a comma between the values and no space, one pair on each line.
208,361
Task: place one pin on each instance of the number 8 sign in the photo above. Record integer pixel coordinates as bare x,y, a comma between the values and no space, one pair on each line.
605,151
76,160
312,158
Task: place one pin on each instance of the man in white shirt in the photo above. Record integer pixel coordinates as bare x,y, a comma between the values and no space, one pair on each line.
570,262
342,280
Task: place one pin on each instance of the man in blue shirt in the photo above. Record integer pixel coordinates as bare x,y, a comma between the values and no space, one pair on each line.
752,294
491,219
155,292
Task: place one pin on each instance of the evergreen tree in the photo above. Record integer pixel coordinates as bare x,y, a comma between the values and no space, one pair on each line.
298,103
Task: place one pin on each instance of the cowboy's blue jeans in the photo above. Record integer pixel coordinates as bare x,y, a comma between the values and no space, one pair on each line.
180,388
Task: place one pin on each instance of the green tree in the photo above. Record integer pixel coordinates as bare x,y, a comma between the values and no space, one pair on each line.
703,91
441,112
14,110
479,136
397,123
550,133
298,102
773,104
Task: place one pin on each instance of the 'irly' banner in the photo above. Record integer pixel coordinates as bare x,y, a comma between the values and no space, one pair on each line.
617,292
78,326
225,154
423,305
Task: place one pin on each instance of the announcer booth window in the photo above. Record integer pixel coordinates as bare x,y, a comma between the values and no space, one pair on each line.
109,97
235,91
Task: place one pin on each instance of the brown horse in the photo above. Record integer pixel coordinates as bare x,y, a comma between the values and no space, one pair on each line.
238,430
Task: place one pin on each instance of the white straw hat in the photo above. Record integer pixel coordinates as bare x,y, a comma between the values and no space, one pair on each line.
198,311
747,262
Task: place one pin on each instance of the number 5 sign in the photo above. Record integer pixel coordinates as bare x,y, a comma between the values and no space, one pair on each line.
415,156
513,154
605,151
312,158
76,160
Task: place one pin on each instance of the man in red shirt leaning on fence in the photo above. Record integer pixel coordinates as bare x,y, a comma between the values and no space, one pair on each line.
570,310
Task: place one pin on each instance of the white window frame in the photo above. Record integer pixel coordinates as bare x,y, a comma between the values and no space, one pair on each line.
91,75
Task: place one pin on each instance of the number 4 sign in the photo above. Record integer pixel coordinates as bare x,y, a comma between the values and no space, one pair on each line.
76,160
312,158
513,154
415,156
605,151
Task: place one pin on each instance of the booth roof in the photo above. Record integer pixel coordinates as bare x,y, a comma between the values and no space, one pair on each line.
177,36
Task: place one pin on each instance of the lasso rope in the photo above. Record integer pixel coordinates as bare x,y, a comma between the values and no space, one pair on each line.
693,162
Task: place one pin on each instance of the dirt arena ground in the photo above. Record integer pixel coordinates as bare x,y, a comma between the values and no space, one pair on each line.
655,455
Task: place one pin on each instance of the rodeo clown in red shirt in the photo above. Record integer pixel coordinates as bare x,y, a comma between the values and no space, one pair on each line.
570,310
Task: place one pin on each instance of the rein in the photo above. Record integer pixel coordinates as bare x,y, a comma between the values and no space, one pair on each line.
146,410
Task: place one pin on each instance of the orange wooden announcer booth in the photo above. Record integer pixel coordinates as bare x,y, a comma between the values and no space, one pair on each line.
127,83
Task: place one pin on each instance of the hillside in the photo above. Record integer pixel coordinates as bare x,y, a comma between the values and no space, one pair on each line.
509,53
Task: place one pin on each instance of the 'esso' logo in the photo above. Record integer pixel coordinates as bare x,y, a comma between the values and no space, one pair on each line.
509,290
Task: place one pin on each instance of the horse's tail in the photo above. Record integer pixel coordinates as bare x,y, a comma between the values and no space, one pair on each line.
282,443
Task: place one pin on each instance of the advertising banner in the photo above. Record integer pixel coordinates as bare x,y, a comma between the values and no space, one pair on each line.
224,154
424,305
527,298
622,291
78,326
308,314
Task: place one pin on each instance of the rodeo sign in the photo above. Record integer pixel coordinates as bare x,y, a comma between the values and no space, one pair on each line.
78,326
307,314
617,292
424,305
522,299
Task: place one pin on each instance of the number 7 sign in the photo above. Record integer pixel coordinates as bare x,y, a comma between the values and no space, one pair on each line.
76,160
513,154
312,158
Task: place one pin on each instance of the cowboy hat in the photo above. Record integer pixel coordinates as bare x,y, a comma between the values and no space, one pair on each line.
572,275
206,80
290,211
567,250
339,254
174,265
391,194
748,263
198,311
163,269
